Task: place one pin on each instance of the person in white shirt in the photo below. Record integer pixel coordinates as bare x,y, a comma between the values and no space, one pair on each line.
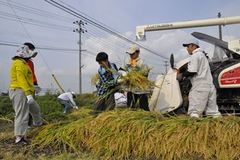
202,96
67,101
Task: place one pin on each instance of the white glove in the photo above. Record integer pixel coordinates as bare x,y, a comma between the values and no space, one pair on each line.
30,99
37,89
122,73
76,107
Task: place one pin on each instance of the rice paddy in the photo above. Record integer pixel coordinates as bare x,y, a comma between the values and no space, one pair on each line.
128,134
122,134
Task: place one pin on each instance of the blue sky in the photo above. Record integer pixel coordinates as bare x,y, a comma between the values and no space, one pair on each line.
122,16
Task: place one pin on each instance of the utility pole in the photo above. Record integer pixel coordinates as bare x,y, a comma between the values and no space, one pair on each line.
220,26
80,30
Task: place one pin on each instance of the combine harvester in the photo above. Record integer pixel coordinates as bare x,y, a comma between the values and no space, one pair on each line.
170,95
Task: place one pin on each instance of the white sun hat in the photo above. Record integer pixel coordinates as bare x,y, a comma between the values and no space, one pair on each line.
191,41
24,52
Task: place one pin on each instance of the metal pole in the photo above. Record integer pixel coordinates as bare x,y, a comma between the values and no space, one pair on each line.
80,57
80,30
220,26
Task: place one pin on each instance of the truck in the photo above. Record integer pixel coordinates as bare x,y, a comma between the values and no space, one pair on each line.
170,95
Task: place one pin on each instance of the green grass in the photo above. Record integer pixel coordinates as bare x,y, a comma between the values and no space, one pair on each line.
6,108
51,109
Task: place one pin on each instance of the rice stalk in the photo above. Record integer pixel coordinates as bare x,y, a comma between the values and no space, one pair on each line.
2,118
94,79
137,80
64,134
127,134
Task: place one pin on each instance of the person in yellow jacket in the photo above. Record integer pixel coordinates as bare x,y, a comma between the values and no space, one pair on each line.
21,91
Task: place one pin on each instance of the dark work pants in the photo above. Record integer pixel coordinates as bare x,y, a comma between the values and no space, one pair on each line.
105,103
137,101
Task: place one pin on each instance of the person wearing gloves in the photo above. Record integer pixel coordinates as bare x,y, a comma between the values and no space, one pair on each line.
202,96
67,101
107,84
21,91
31,65
34,109
136,98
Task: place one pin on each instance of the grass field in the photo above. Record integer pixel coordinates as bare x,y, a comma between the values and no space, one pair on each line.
119,134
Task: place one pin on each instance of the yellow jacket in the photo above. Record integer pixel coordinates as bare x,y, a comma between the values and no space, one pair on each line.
21,76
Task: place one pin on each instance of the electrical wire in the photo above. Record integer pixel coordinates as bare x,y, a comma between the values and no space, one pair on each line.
27,33
36,11
8,16
92,35
47,14
47,25
78,15
12,44
31,21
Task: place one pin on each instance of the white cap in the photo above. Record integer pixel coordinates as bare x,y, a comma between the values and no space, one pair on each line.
191,41
73,93
24,52
133,49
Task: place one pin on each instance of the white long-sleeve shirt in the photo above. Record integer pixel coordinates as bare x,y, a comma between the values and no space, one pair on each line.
199,63
67,97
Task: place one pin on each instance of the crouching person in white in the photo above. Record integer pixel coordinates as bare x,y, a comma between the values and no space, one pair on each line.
66,100
202,96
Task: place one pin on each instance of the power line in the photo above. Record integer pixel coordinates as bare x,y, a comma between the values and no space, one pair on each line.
30,21
49,25
47,14
34,22
8,16
78,15
43,48
39,47
27,33
102,43
121,43
124,46
96,35
63,50
36,11
106,28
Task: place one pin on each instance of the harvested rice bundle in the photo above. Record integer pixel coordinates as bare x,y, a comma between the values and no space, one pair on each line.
127,134
94,79
137,80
